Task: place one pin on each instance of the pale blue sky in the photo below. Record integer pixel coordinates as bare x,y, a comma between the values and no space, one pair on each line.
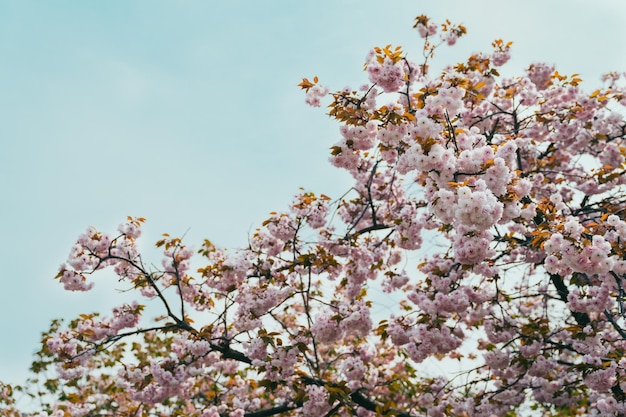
187,113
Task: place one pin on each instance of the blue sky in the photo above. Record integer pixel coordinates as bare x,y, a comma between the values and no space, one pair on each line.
187,113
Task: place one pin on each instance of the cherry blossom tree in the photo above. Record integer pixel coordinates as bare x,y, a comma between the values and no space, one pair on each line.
519,179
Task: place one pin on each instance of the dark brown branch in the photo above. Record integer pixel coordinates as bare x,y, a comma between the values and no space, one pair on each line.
273,411
616,326
369,204
581,318
358,398
370,229
229,353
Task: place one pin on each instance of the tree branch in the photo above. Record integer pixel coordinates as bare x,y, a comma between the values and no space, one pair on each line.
273,411
581,318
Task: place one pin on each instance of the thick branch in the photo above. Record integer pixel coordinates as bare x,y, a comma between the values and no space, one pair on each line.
581,318
360,399
273,411
229,353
